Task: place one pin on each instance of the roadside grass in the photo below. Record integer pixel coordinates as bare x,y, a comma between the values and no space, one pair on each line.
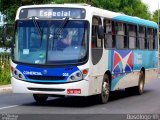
4,69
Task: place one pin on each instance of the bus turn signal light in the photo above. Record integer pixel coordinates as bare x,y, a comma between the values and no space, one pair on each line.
12,69
85,72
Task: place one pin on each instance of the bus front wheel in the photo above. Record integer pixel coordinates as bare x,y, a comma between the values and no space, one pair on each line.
105,90
40,99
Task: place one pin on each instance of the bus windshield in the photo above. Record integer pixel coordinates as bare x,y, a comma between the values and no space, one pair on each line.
51,41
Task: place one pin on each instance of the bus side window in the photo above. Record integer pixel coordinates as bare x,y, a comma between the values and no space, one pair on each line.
121,41
150,38
132,36
155,39
94,36
96,42
141,37
108,41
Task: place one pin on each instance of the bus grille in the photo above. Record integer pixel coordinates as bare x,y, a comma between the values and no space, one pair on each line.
47,89
36,77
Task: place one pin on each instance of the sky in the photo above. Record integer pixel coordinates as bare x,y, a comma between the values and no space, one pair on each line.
152,4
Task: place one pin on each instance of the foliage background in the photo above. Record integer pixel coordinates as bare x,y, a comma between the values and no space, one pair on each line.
9,8
129,7
4,69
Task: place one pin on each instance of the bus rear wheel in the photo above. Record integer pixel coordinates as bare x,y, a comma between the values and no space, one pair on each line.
39,98
140,88
105,90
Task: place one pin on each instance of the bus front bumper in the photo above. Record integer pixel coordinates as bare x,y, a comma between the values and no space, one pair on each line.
79,88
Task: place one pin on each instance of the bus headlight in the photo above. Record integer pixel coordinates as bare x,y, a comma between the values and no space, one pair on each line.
17,74
75,76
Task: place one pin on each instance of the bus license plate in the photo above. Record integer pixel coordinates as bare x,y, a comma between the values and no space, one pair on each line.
73,91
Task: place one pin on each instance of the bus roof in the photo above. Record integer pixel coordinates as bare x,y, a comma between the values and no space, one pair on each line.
135,20
101,12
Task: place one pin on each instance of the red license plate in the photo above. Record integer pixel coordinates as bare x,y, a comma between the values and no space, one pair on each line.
73,91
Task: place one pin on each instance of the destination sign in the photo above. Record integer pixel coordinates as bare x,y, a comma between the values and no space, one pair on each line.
52,13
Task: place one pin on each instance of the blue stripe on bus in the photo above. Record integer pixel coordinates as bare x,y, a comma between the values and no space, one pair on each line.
135,20
115,82
46,72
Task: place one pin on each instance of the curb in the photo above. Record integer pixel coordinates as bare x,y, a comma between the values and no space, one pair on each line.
5,89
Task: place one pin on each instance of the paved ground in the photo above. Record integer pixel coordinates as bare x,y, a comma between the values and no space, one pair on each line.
60,108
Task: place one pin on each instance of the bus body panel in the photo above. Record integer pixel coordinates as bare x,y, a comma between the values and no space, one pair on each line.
127,64
124,65
97,73
19,86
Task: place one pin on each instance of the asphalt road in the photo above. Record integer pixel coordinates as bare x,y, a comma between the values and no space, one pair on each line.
120,103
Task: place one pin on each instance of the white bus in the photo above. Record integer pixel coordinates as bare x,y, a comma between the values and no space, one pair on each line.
107,51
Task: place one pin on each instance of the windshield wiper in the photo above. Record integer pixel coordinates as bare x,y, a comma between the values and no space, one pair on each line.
38,29
58,32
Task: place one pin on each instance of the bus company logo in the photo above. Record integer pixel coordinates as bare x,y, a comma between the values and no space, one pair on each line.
31,73
45,72
122,61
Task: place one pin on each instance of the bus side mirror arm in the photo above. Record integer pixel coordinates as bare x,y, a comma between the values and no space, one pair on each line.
4,34
100,32
7,32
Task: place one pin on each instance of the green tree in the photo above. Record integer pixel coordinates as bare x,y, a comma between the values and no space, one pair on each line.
129,7
71,1
9,7
141,10
112,5
155,16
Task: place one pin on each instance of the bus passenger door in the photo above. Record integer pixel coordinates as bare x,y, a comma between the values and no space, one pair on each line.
96,41
98,64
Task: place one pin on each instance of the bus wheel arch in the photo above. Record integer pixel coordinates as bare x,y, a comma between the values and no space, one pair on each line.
143,70
108,73
105,88
140,88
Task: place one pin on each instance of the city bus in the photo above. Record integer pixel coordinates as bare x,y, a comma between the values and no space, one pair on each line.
108,51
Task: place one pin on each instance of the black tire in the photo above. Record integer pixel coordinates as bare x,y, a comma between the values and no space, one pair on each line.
105,90
140,88
40,99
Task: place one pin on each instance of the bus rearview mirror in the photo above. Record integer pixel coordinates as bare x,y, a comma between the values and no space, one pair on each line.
4,31
7,32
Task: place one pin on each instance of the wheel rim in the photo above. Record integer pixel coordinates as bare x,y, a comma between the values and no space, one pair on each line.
141,84
105,89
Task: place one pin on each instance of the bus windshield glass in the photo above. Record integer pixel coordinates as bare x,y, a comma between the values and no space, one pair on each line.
58,42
